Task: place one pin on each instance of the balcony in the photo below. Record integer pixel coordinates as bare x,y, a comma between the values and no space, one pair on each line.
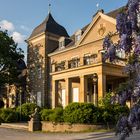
77,62
90,59
74,63
60,66
82,62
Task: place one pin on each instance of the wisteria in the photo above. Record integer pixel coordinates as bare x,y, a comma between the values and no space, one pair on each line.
128,28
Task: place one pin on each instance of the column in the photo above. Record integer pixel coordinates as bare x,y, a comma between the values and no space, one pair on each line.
54,93
68,90
81,61
66,64
53,67
95,94
83,89
101,85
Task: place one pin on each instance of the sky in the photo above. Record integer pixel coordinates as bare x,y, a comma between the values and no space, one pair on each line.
20,17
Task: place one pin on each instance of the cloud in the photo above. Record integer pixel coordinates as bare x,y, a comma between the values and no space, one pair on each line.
18,37
23,27
6,25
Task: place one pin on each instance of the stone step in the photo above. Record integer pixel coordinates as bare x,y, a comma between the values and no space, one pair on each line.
22,126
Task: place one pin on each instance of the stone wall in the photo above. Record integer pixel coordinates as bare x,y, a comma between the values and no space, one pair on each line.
65,127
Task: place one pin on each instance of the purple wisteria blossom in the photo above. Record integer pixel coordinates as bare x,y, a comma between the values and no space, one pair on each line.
128,28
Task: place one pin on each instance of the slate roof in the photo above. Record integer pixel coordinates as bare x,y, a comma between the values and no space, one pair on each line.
49,25
114,13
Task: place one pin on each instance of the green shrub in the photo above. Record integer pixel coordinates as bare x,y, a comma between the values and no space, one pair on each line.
119,110
79,113
110,112
57,115
45,113
26,110
9,115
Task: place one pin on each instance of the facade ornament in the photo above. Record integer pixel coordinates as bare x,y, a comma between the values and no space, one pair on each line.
101,30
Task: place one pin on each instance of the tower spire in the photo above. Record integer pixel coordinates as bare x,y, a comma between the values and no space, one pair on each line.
49,6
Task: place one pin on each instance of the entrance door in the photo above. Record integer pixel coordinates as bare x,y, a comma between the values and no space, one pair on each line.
39,99
63,97
75,94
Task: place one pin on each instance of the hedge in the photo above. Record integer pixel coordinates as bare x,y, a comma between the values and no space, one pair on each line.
9,115
85,113
26,110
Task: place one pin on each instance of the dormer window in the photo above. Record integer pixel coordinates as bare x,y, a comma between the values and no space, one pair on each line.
62,43
78,35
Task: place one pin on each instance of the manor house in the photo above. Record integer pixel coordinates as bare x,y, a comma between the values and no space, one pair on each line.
64,69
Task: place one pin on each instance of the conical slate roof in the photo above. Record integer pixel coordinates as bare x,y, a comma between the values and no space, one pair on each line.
49,25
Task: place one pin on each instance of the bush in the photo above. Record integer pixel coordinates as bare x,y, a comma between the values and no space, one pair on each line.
45,113
79,113
119,110
57,115
111,112
9,115
26,110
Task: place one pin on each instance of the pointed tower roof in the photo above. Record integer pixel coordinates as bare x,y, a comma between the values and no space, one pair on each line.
49,25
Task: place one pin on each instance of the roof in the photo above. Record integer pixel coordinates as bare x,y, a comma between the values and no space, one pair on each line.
49,25
114,13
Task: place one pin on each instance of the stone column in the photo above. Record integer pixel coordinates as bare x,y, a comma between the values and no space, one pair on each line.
68,90
101,85
54,93
81,61
95,94
83,89
53,67
66,64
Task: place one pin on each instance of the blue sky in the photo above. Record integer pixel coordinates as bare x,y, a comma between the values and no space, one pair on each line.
20,17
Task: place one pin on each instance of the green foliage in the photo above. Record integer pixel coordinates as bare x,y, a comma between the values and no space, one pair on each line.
120,110
9,55
79,113
106,101
9,115
57,115
45,113
111,112
26,110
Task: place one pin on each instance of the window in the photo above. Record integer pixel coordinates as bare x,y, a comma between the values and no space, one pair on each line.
60,66
87,59
90,59
120,53
74,62
78,35
62,43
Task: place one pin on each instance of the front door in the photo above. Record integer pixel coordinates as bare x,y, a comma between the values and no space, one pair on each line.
75,94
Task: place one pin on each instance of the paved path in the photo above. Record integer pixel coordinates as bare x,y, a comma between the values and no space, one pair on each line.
11,134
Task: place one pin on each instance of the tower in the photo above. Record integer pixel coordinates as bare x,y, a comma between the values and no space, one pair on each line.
42,41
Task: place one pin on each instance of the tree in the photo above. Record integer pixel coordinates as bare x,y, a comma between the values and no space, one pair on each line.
9,57
12,66
128,28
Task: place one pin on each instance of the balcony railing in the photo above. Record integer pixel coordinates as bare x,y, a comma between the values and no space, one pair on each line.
77,62
90,59
74,63
60,66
